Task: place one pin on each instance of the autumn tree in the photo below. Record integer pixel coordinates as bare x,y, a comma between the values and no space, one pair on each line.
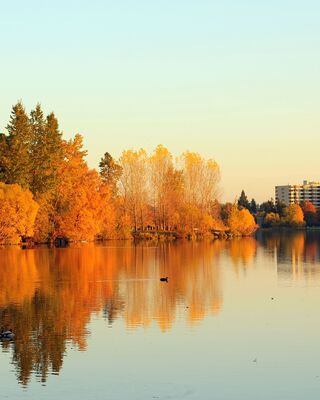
17,213
241,222
294,215
200,180
271,219
165,188
133,186
174,198
310,213
76,198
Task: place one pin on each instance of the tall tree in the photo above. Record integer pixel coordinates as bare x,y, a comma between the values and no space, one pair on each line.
253,206
78,203
243,201
310,213
200,179
3,156
46,151
162,180
280,208
134,185
268,206
16,161
110,171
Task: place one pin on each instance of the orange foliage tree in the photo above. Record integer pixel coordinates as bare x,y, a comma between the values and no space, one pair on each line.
82,206
18,211
310,213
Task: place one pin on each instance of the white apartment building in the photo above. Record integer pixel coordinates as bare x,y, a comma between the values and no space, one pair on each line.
290,194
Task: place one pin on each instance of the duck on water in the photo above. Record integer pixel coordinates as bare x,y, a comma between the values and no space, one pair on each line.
8,335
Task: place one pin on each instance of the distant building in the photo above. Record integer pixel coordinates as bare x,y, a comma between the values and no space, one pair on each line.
290,194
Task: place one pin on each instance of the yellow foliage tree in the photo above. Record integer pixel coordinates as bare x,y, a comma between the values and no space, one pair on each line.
200,182
133,186
18,211
294,215
271,219
241,222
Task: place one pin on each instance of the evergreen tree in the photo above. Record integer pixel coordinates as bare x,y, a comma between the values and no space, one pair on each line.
268,206
17,151
110,171
46,151
243,201
253,206
3,156
37,123
281,209
310,213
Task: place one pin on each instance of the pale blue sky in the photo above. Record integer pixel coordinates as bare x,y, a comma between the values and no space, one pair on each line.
234,80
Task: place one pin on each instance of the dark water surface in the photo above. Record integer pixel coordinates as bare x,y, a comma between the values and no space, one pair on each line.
238,319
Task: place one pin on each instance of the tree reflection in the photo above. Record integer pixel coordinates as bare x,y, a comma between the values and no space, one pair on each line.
297,253
242,251
47,296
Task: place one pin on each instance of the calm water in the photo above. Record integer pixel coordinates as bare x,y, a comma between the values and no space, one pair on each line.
237,320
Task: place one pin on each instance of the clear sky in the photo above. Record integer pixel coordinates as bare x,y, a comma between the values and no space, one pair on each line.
235,80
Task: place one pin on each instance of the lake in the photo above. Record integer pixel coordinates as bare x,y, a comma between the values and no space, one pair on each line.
238,319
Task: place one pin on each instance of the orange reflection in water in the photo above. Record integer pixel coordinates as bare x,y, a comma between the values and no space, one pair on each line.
242,251
49,295
297,253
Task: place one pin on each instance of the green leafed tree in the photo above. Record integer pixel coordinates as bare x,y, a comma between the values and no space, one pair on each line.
16,148
253,206
110,171
3,156
243,201
268,206
46,151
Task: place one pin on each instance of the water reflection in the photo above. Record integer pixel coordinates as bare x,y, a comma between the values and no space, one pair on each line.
49,296
297,254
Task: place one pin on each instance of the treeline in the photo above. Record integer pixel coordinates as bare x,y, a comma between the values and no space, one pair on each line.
48,191
271,214
294,215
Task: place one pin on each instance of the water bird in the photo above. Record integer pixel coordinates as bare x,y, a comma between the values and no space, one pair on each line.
164,279
7,334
